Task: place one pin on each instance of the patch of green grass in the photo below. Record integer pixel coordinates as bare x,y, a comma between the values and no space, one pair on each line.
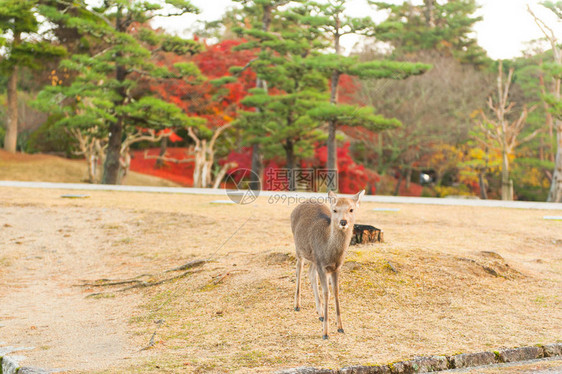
103,296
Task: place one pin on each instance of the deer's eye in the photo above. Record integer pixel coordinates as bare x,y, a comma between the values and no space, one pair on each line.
334,211
351,210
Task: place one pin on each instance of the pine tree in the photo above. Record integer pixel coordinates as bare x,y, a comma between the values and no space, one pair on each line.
331,19
442,26
105,95
280,123
24,47
262,13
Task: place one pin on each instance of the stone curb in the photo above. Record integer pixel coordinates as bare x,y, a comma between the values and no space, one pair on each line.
289,195
438,363
10,365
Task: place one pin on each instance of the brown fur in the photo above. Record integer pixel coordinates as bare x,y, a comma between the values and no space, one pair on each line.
320,239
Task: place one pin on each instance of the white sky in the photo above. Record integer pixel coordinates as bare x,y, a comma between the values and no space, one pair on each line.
503,32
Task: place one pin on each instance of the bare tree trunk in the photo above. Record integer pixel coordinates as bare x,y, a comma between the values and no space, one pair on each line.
429,12
332,162
255,176
124,164
222,173
397,187
205,173
555,194
505,187
482,183
256,168
91,168
163,148
204,155
290,154
505,133
549,119
408,178
199,153
112,165
11,138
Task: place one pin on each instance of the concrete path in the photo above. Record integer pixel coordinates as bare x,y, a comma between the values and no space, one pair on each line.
286,195
539,366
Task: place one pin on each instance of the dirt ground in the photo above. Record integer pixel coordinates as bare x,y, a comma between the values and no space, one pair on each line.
447,280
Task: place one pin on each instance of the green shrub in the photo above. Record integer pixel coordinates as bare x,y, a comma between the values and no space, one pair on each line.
49,138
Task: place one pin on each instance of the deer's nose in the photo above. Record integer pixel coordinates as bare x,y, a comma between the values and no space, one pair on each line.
343,222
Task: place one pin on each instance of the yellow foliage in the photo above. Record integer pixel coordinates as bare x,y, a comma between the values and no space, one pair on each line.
443,191
445,156
475,113
476,154
534,177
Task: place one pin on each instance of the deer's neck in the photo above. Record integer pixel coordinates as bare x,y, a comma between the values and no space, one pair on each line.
339,239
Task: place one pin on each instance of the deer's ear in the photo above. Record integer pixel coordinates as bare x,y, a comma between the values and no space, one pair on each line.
332,197
358,196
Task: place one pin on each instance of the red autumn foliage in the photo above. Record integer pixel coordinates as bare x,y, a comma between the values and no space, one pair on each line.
181,173
352,177
347,94
173,136
347,90
413,190
216,104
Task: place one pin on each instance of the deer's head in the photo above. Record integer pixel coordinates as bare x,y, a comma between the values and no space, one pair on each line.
343,210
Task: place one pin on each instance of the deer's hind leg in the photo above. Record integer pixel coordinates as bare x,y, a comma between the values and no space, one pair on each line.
314,281
298,290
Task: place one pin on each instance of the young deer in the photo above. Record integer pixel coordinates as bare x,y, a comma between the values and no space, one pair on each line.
322,236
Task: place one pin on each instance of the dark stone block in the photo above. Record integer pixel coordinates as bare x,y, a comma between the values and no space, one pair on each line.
30,370
520,354
382,369
307,370
472,359
429,364
551,350
420,365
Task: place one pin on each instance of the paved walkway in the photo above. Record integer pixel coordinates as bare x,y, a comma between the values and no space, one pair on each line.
285,194
550,365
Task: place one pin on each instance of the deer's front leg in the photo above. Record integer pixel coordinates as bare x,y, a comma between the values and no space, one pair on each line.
326,291
335,286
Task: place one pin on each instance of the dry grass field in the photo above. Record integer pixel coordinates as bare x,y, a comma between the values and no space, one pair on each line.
47,168
447,280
